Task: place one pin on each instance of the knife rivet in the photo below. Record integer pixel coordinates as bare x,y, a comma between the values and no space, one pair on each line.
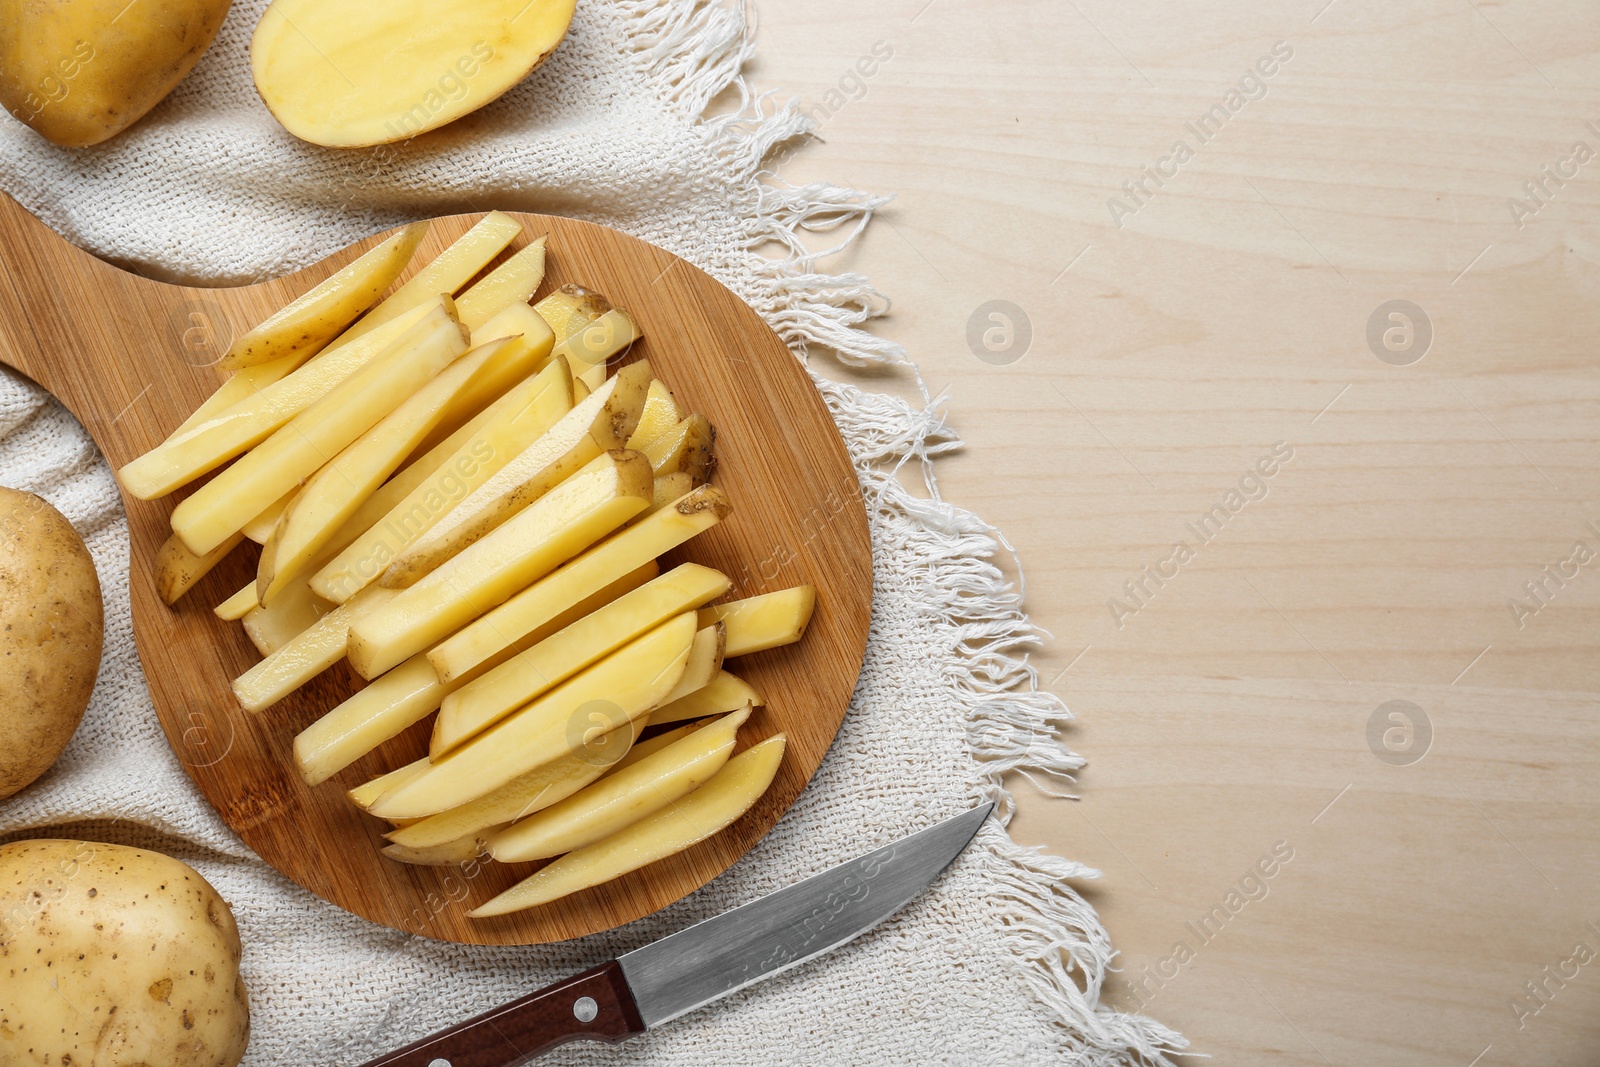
440,1063
584,1010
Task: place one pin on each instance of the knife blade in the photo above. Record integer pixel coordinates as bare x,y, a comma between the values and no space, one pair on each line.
655,984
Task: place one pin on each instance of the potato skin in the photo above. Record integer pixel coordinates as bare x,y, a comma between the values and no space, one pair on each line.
51,629
78,74
115,957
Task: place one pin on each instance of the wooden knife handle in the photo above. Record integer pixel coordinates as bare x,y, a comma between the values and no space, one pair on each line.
595,1006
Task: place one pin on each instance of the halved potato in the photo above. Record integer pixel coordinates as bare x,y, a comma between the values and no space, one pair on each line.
761,622
559,525
218,509
621,798
730,793
726,692
347,74
618,554
313,319
499,692
599,424
619,689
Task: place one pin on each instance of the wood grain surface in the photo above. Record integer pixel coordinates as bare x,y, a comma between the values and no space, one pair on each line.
131,357
1228,313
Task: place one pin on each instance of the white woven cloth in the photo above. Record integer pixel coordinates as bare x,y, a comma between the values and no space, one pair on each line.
1001,962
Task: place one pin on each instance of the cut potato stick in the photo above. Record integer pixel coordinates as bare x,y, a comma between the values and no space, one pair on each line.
651,745
621,798
260,528
206,446
730,793
364,794
445,273
511,284
310,321
289,615
531,608
591,346
238,605
534,542
497,693
312,651
335,492
408,505
392,702
526,352
669,488
449,854
539,788
217,510
619,689
177,569
571,308
705,660
241,385
686,447
601,423
761,622
660,415
726,692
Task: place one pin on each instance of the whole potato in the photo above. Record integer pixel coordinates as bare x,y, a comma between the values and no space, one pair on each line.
115,956
79,71
51,627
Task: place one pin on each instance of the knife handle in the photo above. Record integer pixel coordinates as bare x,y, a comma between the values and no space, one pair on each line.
596,1005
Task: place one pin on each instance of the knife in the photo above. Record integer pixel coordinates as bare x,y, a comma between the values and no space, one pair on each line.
693,967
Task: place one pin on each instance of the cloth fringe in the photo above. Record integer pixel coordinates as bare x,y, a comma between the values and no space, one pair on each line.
695,51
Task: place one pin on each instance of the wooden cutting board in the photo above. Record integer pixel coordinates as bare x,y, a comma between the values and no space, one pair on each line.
131,357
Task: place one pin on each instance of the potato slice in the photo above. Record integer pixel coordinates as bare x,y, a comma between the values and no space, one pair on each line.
725,693
364,794
499,692
537,540
621,798
313,319
571,308
730,793
761,622
450,854
238,605
288,616
549,784
705,660
661,532
217,510
184,457
687,448
336,491
405,695
619,689
178,569
511,284
408,505
445,273
660,415
527,352
601,423
588,349
312,651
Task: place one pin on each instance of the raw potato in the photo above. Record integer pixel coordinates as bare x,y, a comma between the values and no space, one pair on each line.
589,348
450,854
80,71
660,415
348,74
725,693
686,447
758,623
571,308
511,284
645,540
602,422
177,569
260,528
497,693
705,662
313,650
556,527
117,956
621,798
51,629
620,688
290,614
318,316
730,793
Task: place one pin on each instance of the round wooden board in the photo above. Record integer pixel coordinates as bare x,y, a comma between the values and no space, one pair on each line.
122,352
